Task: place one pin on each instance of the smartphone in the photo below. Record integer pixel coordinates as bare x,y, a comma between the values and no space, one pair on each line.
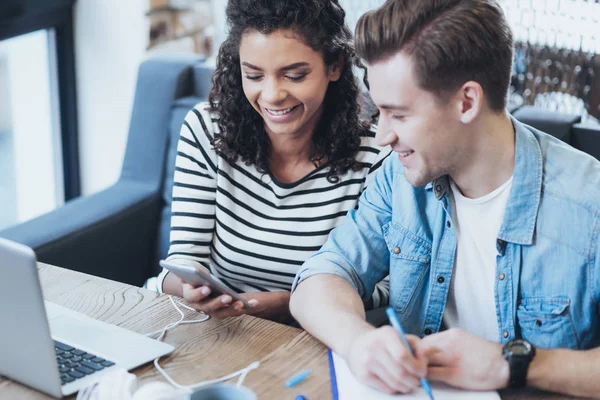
196,278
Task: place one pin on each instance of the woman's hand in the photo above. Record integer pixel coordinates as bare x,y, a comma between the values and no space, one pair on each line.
268,305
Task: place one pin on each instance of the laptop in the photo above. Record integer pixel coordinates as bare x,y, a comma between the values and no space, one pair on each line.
51,348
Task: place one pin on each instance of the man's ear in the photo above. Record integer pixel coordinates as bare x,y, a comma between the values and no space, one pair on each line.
335,70
470,101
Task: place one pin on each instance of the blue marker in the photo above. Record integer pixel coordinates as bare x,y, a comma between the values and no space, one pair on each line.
296,379
396,324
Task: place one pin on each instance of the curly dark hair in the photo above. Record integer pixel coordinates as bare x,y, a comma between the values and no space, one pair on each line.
321,24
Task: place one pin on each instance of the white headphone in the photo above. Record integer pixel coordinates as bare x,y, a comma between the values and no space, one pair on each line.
122,385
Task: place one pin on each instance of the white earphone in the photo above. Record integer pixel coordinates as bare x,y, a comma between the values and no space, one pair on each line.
122,385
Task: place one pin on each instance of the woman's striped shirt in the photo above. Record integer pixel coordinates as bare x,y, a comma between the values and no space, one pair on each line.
250,230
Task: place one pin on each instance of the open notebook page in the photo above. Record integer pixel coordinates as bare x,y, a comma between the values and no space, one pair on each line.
349,388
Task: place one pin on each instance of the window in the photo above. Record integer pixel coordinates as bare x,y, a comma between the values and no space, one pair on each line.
39,163
30,151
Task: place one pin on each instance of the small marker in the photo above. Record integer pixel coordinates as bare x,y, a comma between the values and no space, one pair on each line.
296,379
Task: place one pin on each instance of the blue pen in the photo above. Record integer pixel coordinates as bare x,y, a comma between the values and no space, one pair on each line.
296,379
396,324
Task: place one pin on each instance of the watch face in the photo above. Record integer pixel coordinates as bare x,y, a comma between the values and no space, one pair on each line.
520,348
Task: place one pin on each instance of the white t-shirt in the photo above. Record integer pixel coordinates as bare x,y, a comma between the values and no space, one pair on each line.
471,302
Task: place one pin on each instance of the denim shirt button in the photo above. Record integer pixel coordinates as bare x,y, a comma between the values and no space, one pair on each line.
441,279
396,250
502,276
448,224
505,334
428,331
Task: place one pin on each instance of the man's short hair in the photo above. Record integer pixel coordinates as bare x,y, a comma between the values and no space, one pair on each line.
450,42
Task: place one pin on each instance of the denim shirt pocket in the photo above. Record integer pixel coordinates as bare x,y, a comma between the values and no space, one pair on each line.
547,322
410,256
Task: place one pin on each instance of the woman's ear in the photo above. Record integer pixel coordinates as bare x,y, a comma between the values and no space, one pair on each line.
335,70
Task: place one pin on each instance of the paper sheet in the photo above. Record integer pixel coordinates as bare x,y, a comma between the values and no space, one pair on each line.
349,389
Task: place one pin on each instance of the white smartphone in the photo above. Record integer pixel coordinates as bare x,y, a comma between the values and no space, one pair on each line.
196,278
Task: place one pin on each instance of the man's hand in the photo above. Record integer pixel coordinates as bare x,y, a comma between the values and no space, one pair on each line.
378,358
466,361
269,305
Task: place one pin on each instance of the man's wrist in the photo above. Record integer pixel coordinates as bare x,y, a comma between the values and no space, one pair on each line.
538,367
346,346
503,371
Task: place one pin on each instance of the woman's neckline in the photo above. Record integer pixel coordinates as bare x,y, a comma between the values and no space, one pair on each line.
289,185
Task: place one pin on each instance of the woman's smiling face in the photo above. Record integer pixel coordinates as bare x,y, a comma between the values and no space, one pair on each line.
285,81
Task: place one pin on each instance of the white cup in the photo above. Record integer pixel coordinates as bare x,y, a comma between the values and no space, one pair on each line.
222,391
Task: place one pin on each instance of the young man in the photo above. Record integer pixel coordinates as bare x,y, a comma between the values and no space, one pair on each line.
488,229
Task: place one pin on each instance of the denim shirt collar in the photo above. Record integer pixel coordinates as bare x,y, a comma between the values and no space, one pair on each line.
524,199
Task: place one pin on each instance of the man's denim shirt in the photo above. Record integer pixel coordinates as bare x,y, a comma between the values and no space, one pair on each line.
547,287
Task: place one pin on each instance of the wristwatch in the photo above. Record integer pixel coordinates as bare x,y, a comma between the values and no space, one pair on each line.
518,353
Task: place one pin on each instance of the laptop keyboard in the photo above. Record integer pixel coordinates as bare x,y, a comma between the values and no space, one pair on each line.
74,364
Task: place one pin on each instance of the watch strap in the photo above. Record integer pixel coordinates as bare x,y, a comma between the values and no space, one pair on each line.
518,371
518,362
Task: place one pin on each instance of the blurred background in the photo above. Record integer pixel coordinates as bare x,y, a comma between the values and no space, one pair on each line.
68,73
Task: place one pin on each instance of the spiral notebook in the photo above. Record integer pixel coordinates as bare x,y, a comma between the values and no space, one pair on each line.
344,386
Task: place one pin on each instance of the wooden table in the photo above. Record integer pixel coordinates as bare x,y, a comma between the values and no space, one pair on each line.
203,351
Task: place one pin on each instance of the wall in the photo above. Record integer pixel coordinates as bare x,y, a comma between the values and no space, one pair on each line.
219,26
110,43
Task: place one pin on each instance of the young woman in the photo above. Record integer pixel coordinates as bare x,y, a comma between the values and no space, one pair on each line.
276,159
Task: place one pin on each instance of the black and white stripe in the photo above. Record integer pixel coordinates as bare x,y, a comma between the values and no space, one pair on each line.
252,232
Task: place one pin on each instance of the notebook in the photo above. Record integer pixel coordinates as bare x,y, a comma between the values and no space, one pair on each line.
345,386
